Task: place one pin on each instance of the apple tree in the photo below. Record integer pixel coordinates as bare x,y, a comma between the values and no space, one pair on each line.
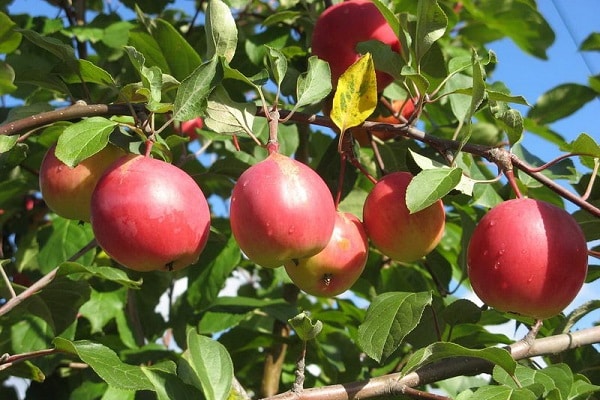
237,199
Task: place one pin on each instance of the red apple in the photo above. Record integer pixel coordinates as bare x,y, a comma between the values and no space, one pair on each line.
188,128
405,107
393,230
338,266
281,210
68,191
149,215
341,27
528,257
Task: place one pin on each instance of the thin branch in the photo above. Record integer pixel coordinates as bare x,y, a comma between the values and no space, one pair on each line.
396,384
42,282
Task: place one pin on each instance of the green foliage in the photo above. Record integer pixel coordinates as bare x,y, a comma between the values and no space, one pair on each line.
219,328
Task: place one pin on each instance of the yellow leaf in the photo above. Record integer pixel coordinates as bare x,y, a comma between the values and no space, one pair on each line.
356,94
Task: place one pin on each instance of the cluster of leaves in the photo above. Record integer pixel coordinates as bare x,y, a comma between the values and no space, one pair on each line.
138,335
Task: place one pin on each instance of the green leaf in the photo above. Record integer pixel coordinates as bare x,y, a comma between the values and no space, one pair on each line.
180,56
221,30
210,364
8,142
500,393
390,317
441,350
384,58
509,119
431,25
461,311
169,386
314,84
62,51
465,185
7,78
78,271
83,139
304,326
591,43
63,297
9,38
103,307
277,64
560,102
192,95
223,115
430,185
583,144
356,94
106,363
60,240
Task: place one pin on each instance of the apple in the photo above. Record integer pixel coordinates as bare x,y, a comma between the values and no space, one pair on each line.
281,210
338,266
405,107
149,215
68,191
341,27
392,229
528,257
188,128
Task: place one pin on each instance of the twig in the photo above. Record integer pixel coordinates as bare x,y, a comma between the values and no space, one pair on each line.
396,384
42,282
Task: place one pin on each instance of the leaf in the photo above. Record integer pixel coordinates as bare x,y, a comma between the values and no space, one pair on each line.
560,102
8,142
211,364
60,240
591,43
583,144
466,183
390,317
277,63
168,385
461,311
179,55
9,38
106,364
313,85
223,115
7,78
431,25
192,95
441,350
221,30
62,51
63,297
356,94
103,307
384,58
304,327
430,185
510,119
83,139
78,271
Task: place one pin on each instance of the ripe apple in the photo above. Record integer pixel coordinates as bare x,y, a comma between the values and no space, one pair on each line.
149,215
393,230
338,266
405,107
341,27
68,191
528,257
188,128
281,210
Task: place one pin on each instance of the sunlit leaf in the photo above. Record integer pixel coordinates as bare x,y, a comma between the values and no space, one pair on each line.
221,30
193,93
431,25
226,116
390,317
314,84
83,139
356,94
560,102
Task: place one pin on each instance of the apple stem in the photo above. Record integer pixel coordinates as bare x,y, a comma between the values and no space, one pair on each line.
510,175
273,118
236,143
149,144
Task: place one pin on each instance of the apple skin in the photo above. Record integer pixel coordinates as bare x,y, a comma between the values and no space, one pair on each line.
188,128
527,257
341,27
68,191
149,215
338,266
392,229
406,107
281,210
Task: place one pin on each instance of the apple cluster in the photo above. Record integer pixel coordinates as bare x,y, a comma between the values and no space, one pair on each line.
145,213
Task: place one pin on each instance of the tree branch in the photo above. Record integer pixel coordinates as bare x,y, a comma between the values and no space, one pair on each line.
395,384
